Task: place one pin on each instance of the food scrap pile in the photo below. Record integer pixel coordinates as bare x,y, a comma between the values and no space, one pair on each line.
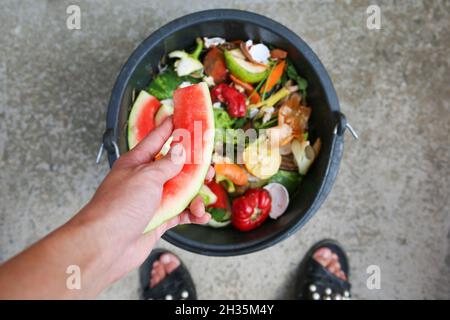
256,87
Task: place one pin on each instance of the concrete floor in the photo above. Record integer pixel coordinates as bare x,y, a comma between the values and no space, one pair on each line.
390,204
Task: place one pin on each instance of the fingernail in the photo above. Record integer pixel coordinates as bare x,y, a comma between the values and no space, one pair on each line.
165,259
177,153
326,254
177,149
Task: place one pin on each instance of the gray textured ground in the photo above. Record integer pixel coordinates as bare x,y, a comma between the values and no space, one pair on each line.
389,207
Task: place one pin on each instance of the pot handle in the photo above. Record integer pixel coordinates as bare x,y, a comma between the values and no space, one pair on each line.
337,149
343,124
108,144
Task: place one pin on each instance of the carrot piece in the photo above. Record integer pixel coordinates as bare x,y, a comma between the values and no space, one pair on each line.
254,97
252,94
245,85
233,172
278,54
274,77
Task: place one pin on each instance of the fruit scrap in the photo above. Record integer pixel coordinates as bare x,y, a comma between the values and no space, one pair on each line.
235,101
165,148
251,210
221,195
164,111
142,118
220,210
215,66
229,185
179,191
233,172
261,159
243,69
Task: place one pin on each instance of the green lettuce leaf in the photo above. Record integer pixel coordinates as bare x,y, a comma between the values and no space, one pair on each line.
293,74
164,84
219,214
222,119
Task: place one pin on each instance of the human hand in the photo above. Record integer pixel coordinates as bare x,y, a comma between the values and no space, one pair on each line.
104,240
130,194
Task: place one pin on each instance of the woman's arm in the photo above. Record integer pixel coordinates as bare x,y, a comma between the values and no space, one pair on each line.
104,240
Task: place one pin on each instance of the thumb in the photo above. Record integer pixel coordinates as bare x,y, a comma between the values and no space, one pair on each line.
171,164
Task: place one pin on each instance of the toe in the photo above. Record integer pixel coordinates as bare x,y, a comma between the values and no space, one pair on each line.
170,262
334,267
323,252
330,261
323,256
158,274
342,275
154,281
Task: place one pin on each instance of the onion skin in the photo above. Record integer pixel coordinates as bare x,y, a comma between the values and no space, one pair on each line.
249,57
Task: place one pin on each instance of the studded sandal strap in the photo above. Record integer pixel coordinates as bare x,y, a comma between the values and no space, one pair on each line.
321,284
175,286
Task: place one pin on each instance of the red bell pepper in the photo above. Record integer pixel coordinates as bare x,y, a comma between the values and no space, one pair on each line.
251,210
219,210
234,100
222,196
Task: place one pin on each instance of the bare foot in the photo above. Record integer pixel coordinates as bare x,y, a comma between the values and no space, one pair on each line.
166,263
330,261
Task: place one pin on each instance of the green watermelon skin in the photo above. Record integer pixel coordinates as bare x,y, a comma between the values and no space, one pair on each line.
192,109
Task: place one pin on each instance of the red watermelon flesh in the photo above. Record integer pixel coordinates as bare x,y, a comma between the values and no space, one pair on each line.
193,122
142,118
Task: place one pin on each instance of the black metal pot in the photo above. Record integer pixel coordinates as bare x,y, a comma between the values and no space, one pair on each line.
327,121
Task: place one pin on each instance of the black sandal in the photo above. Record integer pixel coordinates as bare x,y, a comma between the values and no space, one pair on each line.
315,282
177,285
